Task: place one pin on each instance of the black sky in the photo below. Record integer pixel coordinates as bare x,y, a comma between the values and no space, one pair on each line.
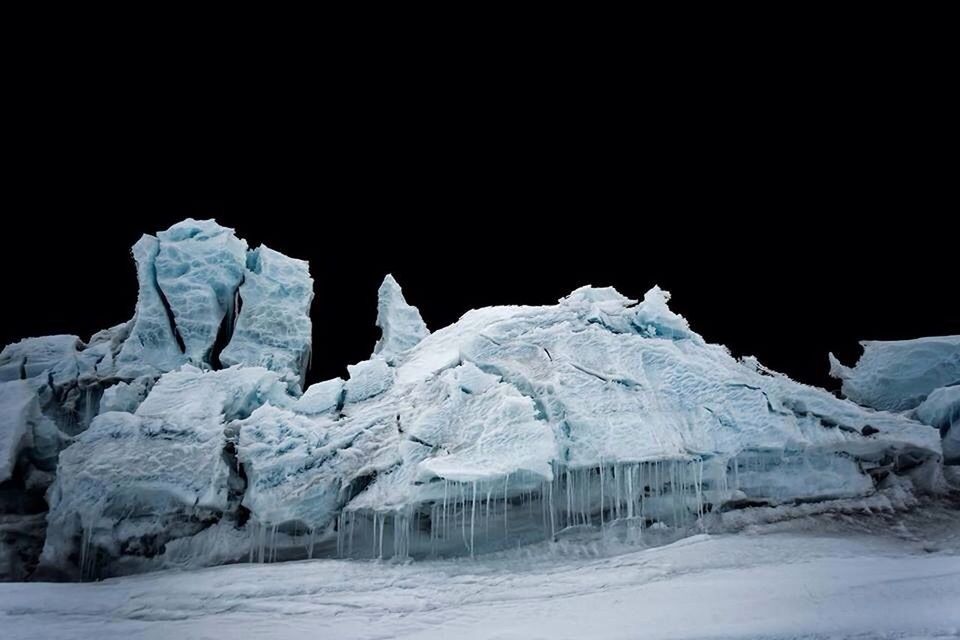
785,227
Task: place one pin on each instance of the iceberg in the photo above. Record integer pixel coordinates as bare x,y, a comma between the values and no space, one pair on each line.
185,438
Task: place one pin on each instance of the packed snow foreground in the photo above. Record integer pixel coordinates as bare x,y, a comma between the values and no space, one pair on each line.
184,437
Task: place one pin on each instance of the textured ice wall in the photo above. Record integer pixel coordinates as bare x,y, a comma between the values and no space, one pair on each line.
921,374
898,375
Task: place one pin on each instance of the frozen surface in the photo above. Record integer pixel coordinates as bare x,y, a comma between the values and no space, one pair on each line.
400,322
898,375
273,327
885,575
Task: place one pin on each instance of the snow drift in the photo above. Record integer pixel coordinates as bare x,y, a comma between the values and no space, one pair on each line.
184,437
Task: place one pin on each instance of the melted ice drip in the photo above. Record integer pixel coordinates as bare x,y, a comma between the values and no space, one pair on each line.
478,517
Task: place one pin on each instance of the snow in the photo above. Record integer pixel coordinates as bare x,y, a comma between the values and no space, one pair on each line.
886,575
898,375
400,322
273,327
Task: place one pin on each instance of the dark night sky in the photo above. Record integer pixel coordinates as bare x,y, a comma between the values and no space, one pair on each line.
781,232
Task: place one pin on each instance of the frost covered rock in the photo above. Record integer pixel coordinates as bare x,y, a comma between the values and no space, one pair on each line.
400,322
273,327
132,482
898,375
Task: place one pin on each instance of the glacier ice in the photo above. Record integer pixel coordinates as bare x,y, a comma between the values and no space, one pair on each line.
199,268
184,439
154,346
191,285
273,325
898,375
922,375
131,482
401,323
941,410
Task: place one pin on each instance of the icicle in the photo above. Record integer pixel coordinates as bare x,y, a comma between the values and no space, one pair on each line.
506,487
601,491
445,508
473,510
380,554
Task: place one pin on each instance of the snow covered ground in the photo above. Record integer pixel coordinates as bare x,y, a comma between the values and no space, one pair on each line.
837,575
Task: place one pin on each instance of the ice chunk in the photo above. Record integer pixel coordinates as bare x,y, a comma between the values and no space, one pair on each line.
199,267
898,375
654,318
300,469
273,326
941,409
24,430
131,482
367,379
153,347
31,357
126,396
322,397
400,322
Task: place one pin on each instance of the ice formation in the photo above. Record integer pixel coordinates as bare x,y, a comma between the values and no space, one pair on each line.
192,282
401,323
921,377
184,439
273,325
898,375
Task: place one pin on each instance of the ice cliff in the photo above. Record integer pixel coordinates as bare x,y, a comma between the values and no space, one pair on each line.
184,437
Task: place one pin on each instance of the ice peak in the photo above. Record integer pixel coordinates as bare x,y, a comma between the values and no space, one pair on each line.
402,326
654,318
